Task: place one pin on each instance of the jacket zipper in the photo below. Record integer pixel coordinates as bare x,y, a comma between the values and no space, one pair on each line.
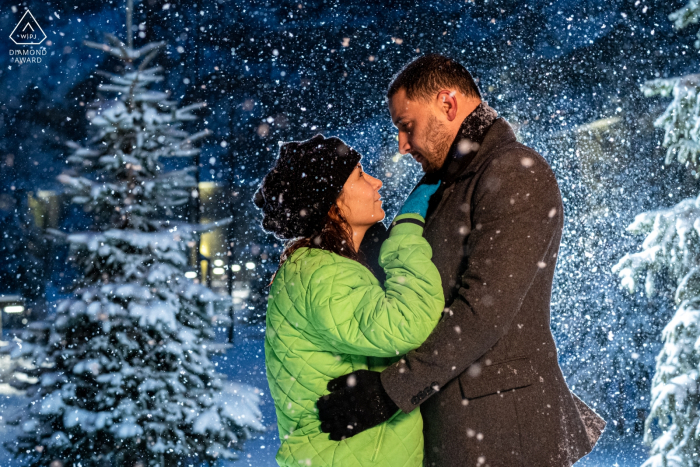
380,438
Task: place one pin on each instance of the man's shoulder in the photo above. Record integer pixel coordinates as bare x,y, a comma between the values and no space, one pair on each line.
518,167
516,154
501,148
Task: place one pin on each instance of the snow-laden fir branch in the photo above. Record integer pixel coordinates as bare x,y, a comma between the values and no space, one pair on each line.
681,119
686,16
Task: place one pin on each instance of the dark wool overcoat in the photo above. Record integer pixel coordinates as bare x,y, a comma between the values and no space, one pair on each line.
487,380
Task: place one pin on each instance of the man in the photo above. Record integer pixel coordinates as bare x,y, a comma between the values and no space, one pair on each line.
487,380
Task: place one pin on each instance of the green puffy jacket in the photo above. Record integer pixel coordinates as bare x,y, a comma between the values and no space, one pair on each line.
328,316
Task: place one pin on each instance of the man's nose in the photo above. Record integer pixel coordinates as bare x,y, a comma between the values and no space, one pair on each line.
404,145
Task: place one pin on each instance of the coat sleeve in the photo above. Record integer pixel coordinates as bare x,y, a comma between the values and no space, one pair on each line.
516,212
352,314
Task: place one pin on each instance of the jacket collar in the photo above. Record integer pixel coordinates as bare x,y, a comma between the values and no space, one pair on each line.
469,142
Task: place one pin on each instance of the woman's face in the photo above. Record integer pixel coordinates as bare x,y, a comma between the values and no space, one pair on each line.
360,201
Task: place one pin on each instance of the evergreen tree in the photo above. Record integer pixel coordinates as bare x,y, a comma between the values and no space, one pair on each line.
121,376
671,250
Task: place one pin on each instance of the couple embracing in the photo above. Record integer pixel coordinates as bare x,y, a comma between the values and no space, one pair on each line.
436,349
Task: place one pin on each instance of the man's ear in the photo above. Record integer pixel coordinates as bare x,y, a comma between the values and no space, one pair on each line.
447,103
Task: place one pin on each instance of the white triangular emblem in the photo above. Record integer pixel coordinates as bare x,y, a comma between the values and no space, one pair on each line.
28,31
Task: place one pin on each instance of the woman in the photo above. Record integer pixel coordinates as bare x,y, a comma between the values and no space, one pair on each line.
327,314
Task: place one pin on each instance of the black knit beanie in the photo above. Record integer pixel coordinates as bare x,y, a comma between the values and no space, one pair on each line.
296,195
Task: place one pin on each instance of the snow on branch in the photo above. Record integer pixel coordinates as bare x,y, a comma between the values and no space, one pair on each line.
121,51
681,120
686,16
183,113
672,244
675,396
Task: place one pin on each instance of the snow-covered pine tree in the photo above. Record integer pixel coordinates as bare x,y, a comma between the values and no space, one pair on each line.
121,375
672,250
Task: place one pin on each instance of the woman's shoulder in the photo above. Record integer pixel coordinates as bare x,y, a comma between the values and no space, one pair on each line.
314,265
305,257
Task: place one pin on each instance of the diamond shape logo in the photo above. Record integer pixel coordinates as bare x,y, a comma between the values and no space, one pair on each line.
28,31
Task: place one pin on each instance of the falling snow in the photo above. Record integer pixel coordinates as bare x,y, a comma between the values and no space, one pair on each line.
127,231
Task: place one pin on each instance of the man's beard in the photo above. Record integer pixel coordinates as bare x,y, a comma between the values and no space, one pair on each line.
438,144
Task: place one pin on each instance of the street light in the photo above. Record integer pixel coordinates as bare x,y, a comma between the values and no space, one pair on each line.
11,304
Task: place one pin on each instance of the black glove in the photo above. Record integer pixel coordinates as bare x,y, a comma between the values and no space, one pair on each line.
357,402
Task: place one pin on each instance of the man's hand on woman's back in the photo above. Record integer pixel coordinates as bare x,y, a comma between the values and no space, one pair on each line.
356,403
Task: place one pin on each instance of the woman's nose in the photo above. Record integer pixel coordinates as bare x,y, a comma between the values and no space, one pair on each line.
377,183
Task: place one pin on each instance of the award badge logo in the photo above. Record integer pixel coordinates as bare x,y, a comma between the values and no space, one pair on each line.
27,32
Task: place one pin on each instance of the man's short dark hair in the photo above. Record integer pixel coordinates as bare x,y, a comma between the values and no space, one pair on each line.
427,75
